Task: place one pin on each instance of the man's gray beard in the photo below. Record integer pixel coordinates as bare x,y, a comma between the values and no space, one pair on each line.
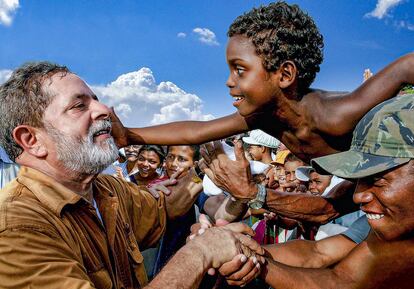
83,156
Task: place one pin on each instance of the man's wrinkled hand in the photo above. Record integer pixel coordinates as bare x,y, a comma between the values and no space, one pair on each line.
222,244
232,176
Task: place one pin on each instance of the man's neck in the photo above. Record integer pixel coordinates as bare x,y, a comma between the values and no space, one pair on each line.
80,184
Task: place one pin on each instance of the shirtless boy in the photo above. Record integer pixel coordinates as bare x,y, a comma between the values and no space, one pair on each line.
274,53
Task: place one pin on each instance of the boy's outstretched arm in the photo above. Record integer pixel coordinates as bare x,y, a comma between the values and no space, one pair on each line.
179,133
342,113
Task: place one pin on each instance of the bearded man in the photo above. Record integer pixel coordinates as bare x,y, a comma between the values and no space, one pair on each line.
63,225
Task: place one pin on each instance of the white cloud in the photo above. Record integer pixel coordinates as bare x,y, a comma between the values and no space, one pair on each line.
181,35
404,24
369,44
4,75
7,10
140,101
383,6
206,36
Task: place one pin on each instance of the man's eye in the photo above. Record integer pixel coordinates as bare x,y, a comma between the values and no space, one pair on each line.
78,106
379,182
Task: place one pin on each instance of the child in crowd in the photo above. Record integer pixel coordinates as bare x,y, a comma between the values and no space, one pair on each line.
274,53
179,160
147,165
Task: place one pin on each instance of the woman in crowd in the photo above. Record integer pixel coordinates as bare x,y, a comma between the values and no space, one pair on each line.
149,165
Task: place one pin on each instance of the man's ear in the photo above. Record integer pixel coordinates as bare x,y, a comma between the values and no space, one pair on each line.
288,72
29,139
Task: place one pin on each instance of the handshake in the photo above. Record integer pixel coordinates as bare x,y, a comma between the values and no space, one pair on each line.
229,249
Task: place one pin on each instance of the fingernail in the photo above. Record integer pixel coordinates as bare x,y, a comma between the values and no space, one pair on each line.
192,237
243,259
201,231
258,266
254,260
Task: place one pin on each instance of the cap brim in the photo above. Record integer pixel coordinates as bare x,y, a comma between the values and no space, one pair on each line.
352,164
302,173
250,141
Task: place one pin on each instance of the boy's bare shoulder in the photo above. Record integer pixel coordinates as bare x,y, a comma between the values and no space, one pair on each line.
324,95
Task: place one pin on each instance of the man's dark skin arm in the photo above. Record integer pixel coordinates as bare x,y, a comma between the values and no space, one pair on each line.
311,254
371,264
299,253
311,208
235,178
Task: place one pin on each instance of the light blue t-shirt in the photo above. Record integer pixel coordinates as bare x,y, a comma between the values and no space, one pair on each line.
8,169
359,230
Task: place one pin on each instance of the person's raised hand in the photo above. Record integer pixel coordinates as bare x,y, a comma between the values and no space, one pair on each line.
118,131
162,187
232,176
118,173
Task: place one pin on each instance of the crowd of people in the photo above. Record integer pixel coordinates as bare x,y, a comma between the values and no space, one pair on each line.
299,188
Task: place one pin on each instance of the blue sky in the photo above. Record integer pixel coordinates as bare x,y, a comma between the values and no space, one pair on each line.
158,61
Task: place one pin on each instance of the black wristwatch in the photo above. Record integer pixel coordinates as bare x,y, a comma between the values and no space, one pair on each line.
258,202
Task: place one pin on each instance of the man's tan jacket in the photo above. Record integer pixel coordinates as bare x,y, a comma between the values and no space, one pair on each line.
50,237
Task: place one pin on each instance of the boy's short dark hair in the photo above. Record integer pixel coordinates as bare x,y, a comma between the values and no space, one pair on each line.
196,151
282,32
156,149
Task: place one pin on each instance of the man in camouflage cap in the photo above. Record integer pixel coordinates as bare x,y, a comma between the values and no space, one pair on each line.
382,140
381,162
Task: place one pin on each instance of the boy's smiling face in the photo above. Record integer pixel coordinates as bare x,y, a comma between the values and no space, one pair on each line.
251,86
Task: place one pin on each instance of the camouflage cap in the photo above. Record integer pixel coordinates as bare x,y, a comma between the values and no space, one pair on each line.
383,139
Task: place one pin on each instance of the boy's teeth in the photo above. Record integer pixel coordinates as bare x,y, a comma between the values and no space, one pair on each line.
237,97
375,216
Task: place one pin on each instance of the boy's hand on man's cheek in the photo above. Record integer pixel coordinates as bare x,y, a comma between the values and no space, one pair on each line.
118,131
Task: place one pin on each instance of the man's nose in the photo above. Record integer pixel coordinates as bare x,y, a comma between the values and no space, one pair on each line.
362,195
100,110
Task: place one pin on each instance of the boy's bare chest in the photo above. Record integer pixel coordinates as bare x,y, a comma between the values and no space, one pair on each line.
307,143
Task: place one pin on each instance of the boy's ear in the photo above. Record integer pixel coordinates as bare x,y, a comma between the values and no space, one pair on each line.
29,139
288,74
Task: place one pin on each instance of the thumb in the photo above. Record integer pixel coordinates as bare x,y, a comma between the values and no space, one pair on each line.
175,175
239,151
203,219
221,222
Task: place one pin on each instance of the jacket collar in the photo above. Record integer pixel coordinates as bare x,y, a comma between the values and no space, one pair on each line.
48,191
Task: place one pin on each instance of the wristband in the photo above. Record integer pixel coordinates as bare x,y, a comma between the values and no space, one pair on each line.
258,202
